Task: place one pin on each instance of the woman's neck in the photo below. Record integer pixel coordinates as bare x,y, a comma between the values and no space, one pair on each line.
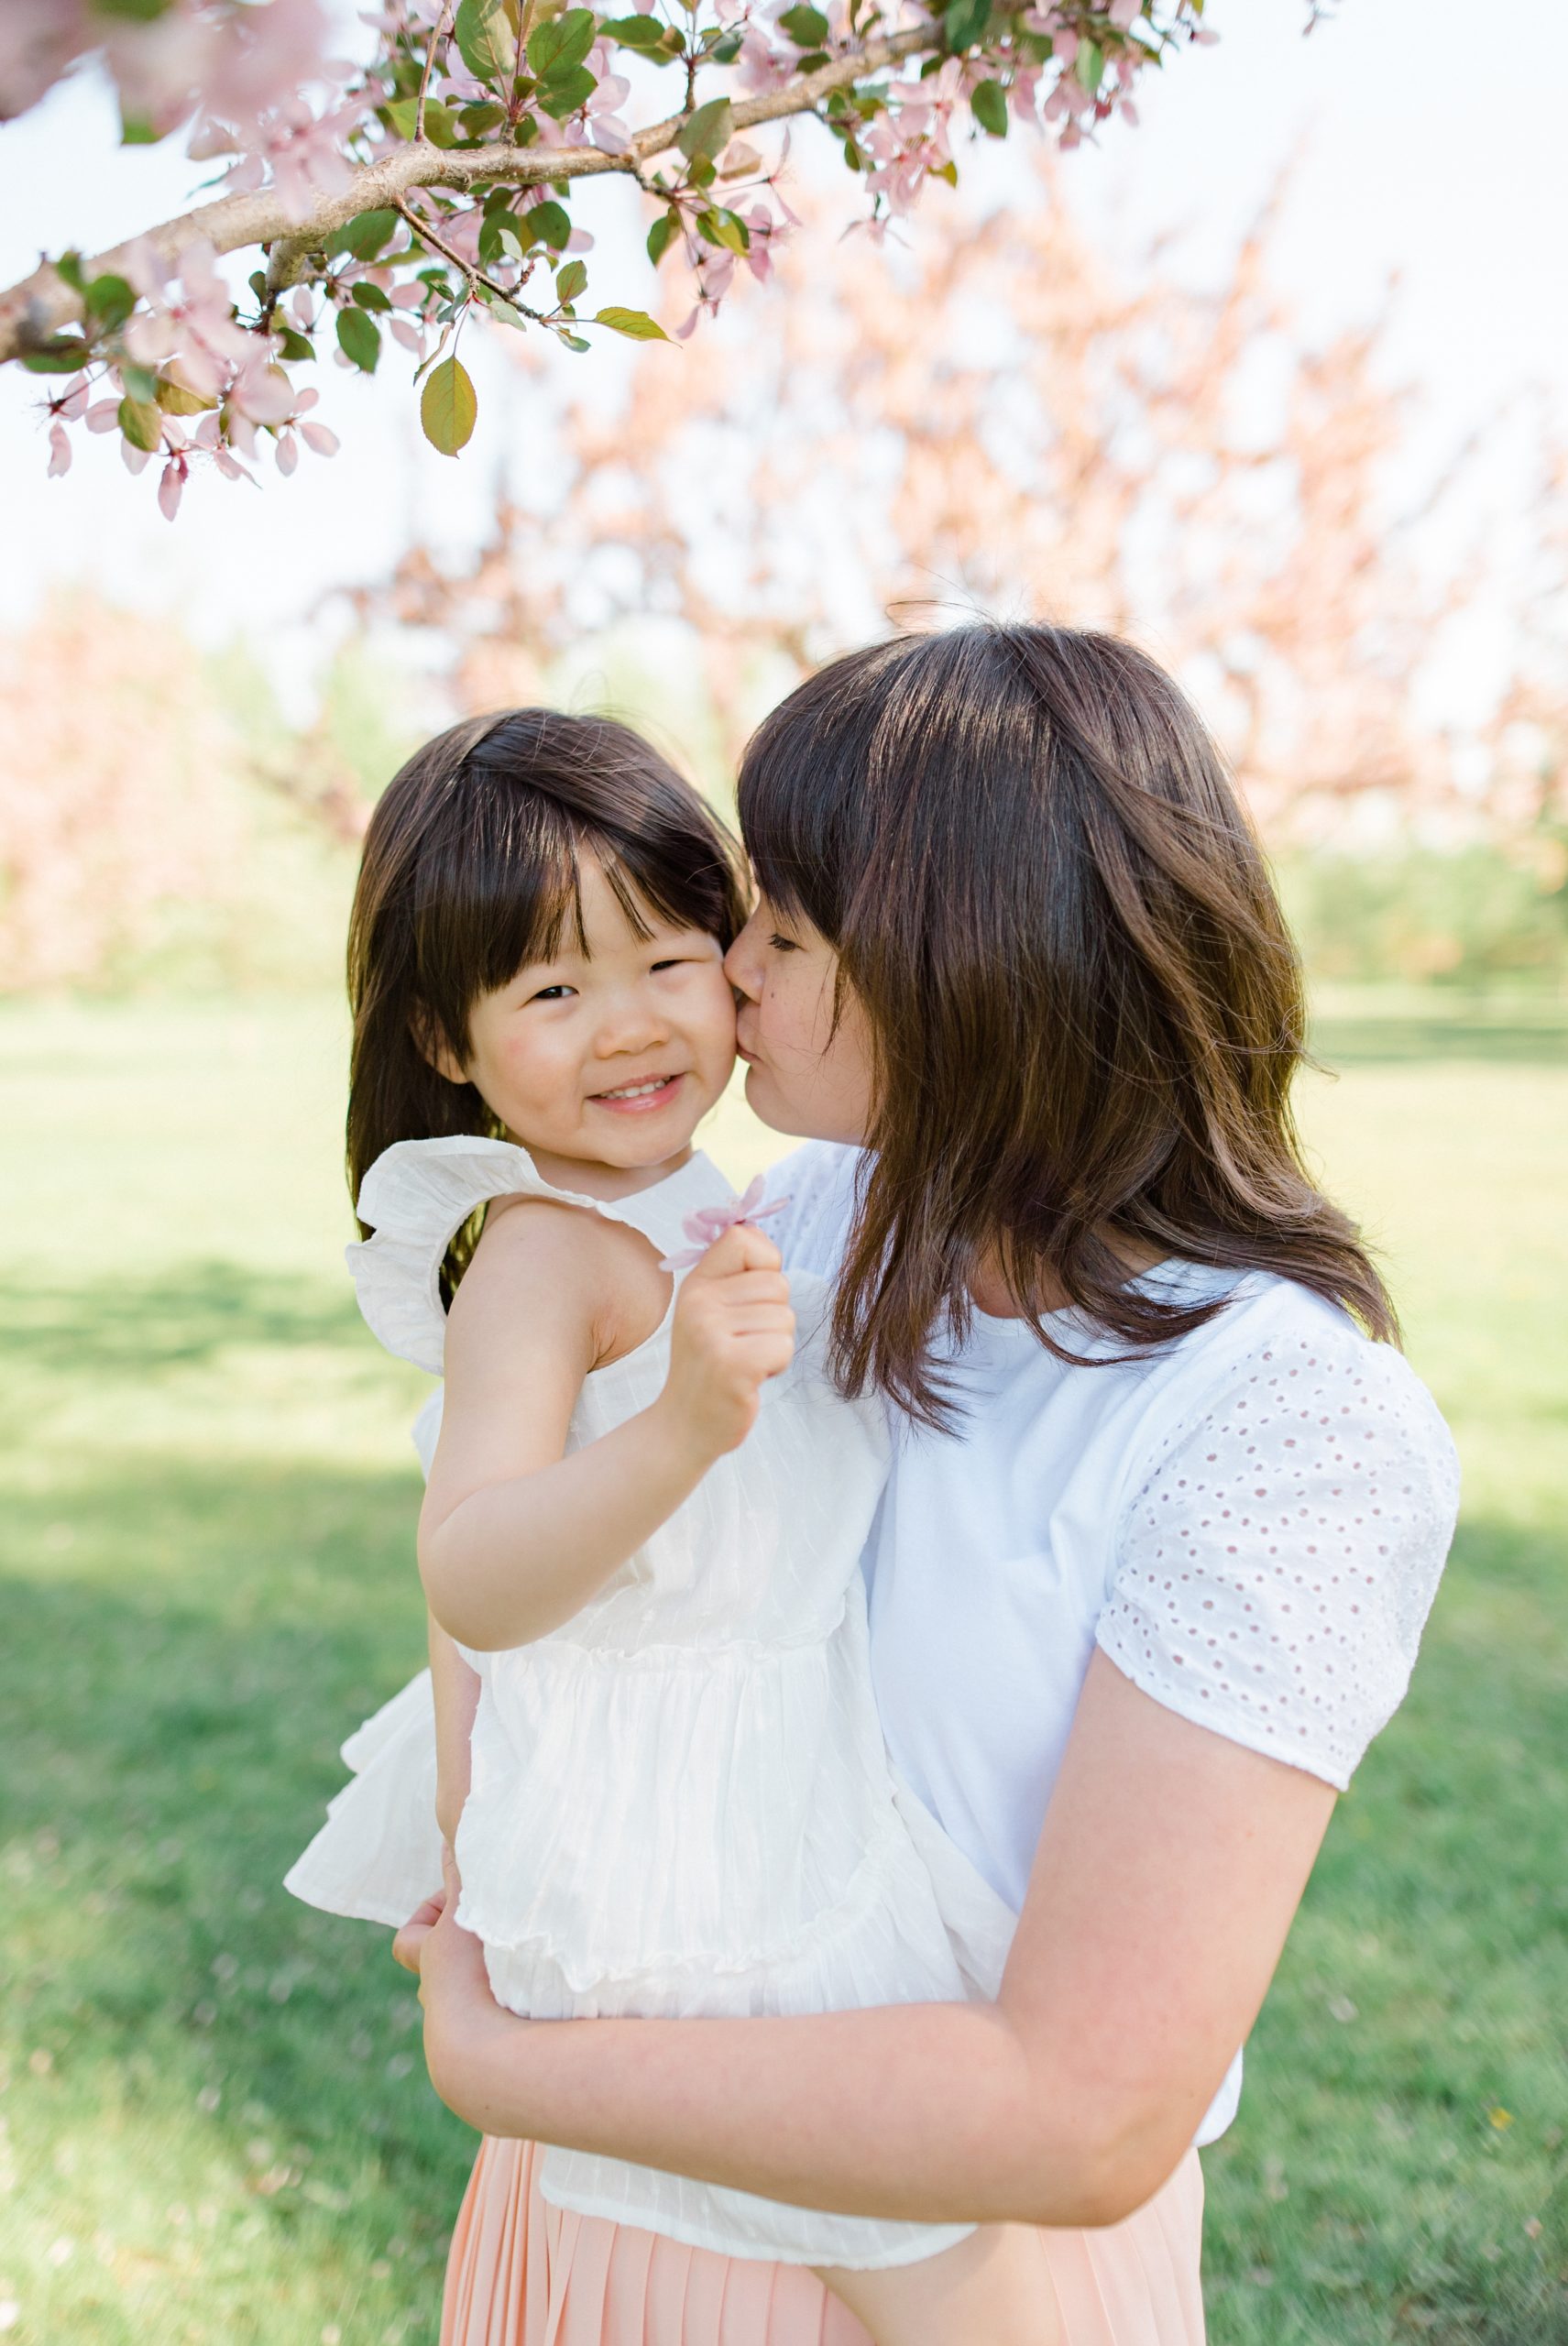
990,1292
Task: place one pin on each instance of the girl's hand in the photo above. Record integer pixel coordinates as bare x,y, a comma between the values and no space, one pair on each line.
733,1330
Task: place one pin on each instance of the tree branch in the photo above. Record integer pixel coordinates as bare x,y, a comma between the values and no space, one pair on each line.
35,310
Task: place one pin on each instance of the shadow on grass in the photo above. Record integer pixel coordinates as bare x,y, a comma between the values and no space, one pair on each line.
182,1316
172,1742
170,1745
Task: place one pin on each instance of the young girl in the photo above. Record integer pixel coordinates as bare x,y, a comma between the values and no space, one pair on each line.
657,1751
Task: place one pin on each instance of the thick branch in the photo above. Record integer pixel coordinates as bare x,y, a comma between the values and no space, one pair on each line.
37,308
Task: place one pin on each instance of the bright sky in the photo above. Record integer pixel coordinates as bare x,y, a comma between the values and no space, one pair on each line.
1430,147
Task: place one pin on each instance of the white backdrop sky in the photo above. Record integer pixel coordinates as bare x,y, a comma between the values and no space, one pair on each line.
1431,147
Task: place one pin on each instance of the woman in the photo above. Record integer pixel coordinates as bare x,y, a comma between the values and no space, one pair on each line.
1166,1516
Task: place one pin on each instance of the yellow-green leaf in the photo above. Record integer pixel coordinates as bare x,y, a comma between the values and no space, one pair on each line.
635,325
141,423
447,407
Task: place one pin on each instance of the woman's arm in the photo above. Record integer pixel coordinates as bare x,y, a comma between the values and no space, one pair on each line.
455,1689
1169,1869
514,1538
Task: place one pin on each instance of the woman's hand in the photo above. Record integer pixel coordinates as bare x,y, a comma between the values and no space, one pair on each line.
461,2015
733,1330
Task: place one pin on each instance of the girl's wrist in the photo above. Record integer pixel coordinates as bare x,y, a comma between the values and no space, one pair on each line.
678,1442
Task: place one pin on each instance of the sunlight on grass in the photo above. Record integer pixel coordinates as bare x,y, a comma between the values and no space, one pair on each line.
216,2130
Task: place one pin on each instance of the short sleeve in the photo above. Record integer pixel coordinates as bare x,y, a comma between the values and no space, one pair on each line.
1277,1567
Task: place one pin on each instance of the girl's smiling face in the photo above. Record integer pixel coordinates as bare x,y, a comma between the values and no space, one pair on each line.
804,1073
605,1059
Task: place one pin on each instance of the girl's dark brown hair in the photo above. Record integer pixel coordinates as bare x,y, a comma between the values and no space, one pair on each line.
1084,1006
471,869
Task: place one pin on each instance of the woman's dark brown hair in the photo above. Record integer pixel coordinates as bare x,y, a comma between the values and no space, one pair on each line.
471,869
1085,1007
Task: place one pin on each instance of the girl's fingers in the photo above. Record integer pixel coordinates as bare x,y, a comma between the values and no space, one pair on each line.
743,1248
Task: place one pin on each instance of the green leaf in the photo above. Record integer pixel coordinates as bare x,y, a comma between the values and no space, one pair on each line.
573,341
635,325
548,224
1089,64
141,423
562,94
499,240
136,130
964,22
68,267
707,133
440,125
726,48
506,314
62,356
110,301
175,399
359,338
725,228
988,100
365,235
570,281
478,122
487,33
296,345
561,43
807,28
634,32
371,297
447,407
659,235
140,383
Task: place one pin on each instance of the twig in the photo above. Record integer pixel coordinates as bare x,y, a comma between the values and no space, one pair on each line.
435,41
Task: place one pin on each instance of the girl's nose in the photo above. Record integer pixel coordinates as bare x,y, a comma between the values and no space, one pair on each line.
632,1025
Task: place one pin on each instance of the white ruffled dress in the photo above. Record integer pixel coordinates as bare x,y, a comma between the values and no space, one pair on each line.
681,1800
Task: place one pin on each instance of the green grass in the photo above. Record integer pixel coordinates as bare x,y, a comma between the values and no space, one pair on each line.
215,2126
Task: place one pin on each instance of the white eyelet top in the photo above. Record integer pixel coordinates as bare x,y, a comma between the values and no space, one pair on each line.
1278,1565
1251,1522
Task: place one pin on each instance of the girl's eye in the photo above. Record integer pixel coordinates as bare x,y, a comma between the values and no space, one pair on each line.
550,994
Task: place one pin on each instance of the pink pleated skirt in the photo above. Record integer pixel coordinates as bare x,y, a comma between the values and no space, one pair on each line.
522,2272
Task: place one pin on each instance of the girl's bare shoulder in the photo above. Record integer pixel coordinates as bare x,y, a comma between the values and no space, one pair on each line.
563,1272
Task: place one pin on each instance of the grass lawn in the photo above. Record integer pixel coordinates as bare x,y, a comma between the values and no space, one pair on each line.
213,2122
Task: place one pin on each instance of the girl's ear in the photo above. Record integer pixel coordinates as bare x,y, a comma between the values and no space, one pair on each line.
433,1047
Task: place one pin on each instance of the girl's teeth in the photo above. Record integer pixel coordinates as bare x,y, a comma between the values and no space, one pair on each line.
638,1090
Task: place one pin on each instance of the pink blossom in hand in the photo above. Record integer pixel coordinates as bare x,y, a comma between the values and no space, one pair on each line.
707,1225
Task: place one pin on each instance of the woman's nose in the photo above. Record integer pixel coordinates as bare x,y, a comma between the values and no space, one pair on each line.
741,965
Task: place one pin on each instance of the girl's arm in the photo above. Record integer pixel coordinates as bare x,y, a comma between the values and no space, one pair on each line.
455,1688
1170,1865
514,1536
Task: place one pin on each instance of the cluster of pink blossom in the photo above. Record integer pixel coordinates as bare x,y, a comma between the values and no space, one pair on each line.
216,384
168,359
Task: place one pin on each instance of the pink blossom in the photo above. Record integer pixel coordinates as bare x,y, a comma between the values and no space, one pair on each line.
317,437
58,451
709,1224
171,487
134,460
409,336
288,453
103,415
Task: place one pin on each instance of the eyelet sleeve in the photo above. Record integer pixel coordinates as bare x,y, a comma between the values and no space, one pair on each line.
1277,1565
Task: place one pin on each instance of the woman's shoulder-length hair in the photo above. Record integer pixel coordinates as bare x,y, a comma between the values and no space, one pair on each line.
1085,1006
